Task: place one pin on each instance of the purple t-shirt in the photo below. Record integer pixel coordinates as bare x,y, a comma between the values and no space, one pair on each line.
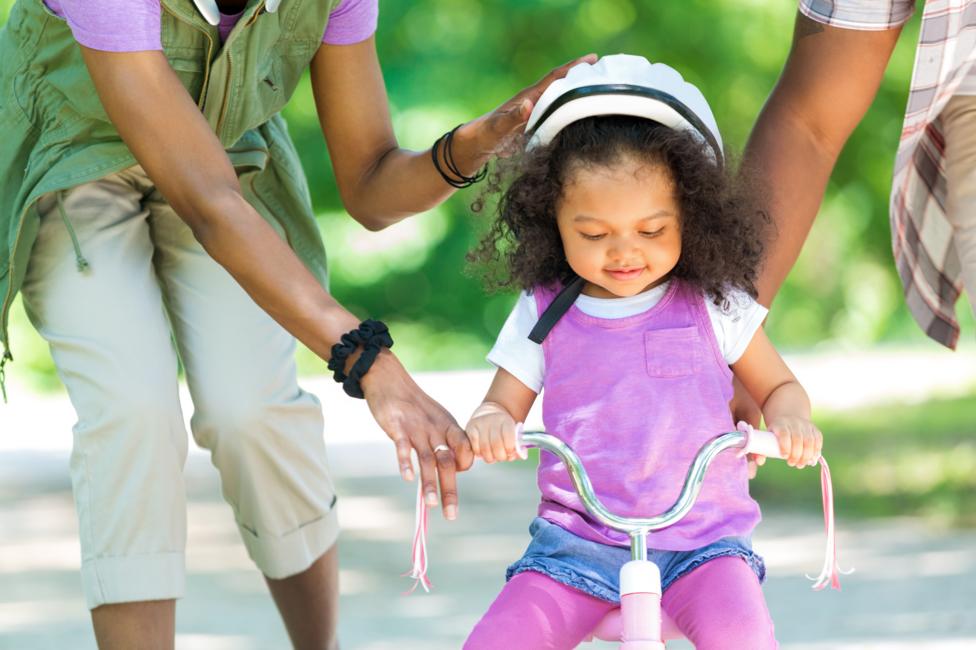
128,26
636,398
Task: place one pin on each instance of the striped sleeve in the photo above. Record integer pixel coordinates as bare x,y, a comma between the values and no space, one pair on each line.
865,15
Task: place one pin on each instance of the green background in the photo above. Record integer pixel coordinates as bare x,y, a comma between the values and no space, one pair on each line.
447,61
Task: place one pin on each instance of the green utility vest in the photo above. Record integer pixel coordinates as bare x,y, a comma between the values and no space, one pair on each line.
55,135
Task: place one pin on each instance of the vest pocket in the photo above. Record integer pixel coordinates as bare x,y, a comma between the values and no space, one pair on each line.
191,72
672,352
275,82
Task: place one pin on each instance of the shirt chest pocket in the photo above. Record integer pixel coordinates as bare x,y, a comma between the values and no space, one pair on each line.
674,352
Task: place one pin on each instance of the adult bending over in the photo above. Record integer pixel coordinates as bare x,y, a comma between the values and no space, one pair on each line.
150,190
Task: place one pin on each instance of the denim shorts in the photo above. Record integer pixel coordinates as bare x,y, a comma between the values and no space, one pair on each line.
594,568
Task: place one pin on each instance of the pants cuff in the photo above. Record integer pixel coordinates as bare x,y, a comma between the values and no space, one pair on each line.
292,553
133,578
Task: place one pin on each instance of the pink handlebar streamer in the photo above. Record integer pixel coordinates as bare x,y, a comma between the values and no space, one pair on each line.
830,573
419,554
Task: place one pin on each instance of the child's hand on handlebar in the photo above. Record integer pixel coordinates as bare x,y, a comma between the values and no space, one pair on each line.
800,441
491,432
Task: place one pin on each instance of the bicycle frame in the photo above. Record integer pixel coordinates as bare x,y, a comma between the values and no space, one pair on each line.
638,623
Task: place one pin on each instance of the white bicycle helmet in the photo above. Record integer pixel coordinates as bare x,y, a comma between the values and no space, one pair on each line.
623,84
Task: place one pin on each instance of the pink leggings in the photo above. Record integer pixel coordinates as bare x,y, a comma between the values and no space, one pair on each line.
719,605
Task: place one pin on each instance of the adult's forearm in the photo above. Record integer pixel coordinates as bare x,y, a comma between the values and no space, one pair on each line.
794,167
241,241
828,82
170,138
381,183
404,183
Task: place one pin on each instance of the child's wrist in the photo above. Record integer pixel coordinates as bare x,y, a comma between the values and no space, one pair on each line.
773,421
489,408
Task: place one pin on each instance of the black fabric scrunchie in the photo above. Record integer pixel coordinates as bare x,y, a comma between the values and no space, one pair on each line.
371,335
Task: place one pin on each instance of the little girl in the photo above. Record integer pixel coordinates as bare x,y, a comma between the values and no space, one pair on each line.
637,251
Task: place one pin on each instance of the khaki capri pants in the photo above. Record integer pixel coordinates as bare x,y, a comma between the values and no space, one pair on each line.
959,126
111,327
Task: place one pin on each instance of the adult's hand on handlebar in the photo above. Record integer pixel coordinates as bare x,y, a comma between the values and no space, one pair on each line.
745,409
415,422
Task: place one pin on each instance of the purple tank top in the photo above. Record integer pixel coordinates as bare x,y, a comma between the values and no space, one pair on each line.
636,398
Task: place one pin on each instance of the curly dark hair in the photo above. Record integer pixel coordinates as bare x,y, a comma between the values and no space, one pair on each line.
723,230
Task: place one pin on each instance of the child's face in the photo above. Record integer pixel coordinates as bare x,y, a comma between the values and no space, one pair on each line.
620,227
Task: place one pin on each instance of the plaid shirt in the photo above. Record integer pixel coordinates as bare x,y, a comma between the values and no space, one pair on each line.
921,235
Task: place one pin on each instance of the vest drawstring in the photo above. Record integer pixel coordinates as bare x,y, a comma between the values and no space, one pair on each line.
83,264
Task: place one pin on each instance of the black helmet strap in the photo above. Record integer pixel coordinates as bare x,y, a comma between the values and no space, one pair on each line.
556,309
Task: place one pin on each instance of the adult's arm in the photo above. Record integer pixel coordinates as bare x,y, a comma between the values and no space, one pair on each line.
170,138
379,182
828,82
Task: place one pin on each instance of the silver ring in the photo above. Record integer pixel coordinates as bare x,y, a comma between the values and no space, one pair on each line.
441,448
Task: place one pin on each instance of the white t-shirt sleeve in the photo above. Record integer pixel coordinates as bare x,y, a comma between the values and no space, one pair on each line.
513,350
735,327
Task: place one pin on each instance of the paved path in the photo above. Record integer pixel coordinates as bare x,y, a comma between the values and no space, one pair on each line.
914,586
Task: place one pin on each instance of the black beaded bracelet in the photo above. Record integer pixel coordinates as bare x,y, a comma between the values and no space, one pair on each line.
371,335
456,178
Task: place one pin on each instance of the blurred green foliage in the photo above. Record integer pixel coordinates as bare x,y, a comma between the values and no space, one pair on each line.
446,61
892,460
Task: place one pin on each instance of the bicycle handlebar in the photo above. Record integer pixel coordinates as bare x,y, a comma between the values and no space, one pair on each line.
758,442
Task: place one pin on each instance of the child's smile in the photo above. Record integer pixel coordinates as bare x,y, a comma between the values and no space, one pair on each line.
624,274
620,226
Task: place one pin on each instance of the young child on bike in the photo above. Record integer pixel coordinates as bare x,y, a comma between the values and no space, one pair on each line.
637,251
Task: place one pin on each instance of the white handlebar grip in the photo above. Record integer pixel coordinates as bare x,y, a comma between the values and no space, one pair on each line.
520,449
763,443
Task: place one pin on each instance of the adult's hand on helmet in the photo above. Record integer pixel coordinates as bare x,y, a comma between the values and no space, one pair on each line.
415,422
493,133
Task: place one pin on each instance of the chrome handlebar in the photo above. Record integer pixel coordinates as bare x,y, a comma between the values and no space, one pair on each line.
636,527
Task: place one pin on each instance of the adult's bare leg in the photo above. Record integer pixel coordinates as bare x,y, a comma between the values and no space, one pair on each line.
309,603
149,625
